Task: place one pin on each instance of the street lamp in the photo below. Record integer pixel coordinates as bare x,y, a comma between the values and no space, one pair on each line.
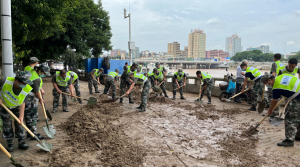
73,61
130,43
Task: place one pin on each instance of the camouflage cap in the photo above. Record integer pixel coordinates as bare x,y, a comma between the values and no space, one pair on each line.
135,64
157,64
34,60
154,70
180,71
266,77
116,70
23,77
139,68
45,69
101,69
130,73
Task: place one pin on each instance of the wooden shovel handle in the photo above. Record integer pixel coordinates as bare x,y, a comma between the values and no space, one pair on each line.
98,82
13,115
161,83
240,93
263,95
73,95
5,151
200,91
274,108
43,107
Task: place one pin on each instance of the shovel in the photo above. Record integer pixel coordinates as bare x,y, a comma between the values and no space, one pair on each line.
47,112
49,129
43,145
98,83
253,130
224,99
112,100
262,104
277,120
91,100
13,161
158,88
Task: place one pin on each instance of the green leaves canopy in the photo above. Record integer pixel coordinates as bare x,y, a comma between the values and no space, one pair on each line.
254,55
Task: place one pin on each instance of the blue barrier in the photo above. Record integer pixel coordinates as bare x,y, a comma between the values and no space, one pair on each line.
115,64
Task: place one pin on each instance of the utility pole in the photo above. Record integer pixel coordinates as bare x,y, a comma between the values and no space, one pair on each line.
284,49
6,39
130,43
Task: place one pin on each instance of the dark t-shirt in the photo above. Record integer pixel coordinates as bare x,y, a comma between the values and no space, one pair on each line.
249,75
175,76
286,67
36,85
277,93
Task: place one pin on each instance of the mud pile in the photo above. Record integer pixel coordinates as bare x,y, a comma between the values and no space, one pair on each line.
202,115
159,99
249,132
91,132
240,152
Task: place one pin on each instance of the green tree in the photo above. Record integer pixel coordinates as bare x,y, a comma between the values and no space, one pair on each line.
297,56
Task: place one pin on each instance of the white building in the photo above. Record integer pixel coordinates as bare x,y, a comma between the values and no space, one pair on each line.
233,45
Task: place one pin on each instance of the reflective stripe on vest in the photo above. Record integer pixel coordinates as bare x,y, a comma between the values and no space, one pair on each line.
285,71
73,75
142,77
287,82
33,73
60,81
280,66
205,76
8,97
150,73
179,78
254,72
159,77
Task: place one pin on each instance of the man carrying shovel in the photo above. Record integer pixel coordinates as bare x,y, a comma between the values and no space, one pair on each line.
288,86
178,83
75,82
159,78
94,77
12,95
208,83
34,97
111,81
126,81
62,82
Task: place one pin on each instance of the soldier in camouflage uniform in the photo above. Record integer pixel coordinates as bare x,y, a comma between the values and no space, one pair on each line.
12,95
140,80
258,86
159,78
179,80
288,86
150,76
126,81
62,82
111,81
94,77
31,101
75,82
208,83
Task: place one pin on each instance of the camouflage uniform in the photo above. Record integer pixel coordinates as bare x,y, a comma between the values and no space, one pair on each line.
77,90
145,93
256,93
110,83
292,120
8,133
31,112
175,87
208,89
125,82
92,82
56,98
162,86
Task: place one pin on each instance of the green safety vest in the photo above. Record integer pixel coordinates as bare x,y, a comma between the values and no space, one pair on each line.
280,66
8,97
150,73
141,77
113,74
178,77
60,81
73,74
204,76
33,75
254,72
96,73
159,77
285,71
287,82
128,69
160,69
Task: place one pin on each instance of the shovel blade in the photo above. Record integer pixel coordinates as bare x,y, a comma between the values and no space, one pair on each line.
92,101
48,115
261,106
16,164
224,99
251,131
50,132
110,100
45,146
74,99
276,121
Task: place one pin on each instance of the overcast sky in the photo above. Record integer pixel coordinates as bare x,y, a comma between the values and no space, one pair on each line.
155,23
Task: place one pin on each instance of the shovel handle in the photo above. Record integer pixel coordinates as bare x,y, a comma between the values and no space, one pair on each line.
13,115
200,91
73,95
263,95
5,151
274,108
98,82
240,93
43,107
161,83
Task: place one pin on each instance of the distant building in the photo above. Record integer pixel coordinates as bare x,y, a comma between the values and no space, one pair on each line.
262,48
216,54
117,52
233,45
197,44
136,52
174,49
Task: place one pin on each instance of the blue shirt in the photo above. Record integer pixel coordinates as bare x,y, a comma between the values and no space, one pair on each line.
280,92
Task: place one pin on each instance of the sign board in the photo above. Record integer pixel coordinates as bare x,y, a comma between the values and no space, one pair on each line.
131,45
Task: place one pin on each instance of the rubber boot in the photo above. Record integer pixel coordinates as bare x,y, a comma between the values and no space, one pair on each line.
252,109
38,136
142,109
66,110
10,146
91,93
209,101
182,98
121,100
286,143
174,97
23,145
139,107
131,101
97,91
297,138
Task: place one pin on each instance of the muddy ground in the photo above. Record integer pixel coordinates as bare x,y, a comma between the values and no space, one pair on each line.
169,133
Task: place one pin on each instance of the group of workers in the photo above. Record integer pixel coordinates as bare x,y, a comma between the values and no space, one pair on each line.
22,93
282,82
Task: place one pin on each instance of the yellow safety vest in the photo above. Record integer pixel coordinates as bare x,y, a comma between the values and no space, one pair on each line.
60,81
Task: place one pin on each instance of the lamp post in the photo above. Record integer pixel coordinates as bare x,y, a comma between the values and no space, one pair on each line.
6,39
73,63
130,43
